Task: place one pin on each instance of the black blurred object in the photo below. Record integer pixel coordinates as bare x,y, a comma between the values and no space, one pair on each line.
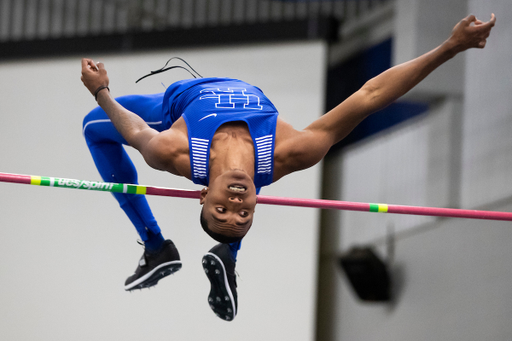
367,273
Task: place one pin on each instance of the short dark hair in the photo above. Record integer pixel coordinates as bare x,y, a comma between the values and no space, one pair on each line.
217,236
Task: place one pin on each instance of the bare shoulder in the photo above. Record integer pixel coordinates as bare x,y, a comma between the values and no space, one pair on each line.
168,151
297,149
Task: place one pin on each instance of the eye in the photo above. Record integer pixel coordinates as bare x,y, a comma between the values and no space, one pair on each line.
220,209
244,214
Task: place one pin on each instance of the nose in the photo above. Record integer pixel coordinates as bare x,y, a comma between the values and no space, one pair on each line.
235,199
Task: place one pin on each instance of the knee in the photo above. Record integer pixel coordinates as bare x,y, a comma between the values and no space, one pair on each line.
90,124
94,114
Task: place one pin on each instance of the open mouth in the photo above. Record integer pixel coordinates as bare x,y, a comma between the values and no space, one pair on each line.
238,188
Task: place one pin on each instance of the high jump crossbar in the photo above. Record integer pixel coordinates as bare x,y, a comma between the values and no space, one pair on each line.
262,199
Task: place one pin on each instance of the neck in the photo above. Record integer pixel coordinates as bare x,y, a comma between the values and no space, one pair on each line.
232,148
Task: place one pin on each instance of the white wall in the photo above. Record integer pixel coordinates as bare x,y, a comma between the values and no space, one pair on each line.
65,254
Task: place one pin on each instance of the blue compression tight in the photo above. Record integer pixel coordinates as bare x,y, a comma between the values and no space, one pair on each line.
106,147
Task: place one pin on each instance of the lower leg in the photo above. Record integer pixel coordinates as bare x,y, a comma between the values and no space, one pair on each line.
234,247
114,165
137,209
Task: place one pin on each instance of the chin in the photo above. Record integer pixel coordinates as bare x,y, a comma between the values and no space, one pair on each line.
240,177
238,173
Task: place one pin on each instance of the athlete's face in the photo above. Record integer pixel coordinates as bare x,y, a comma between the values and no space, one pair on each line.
228,203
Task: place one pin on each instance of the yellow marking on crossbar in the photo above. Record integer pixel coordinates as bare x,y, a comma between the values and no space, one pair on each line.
35,180
383,208
140,190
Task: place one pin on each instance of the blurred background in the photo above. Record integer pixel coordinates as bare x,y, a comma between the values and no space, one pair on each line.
65,254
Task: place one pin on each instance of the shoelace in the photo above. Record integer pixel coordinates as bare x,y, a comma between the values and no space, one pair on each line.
164,68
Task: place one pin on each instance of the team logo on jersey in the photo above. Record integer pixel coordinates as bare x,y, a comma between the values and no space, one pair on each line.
236,98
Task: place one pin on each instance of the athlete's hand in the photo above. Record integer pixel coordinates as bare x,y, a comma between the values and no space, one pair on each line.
471,33
94,76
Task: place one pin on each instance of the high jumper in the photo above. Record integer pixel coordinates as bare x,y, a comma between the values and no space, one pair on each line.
225,134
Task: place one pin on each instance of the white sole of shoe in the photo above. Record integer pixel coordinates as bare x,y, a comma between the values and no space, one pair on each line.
169,265
226,283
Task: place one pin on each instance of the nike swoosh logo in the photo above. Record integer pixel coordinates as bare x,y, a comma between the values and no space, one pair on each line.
214,115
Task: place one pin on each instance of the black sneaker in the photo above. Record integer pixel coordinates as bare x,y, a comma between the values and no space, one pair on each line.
219,266
154,266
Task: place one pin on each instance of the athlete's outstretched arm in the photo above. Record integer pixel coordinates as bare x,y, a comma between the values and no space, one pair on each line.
314,141
387,87
133,128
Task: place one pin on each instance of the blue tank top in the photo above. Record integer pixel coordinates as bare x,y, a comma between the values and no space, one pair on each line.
206,104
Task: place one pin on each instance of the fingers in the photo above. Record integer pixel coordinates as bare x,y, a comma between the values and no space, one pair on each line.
491,22
482,30
86,64
493,19
471,32
469,19
89,64
487,25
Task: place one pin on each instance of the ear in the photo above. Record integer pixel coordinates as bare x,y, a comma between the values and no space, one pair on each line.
204,193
